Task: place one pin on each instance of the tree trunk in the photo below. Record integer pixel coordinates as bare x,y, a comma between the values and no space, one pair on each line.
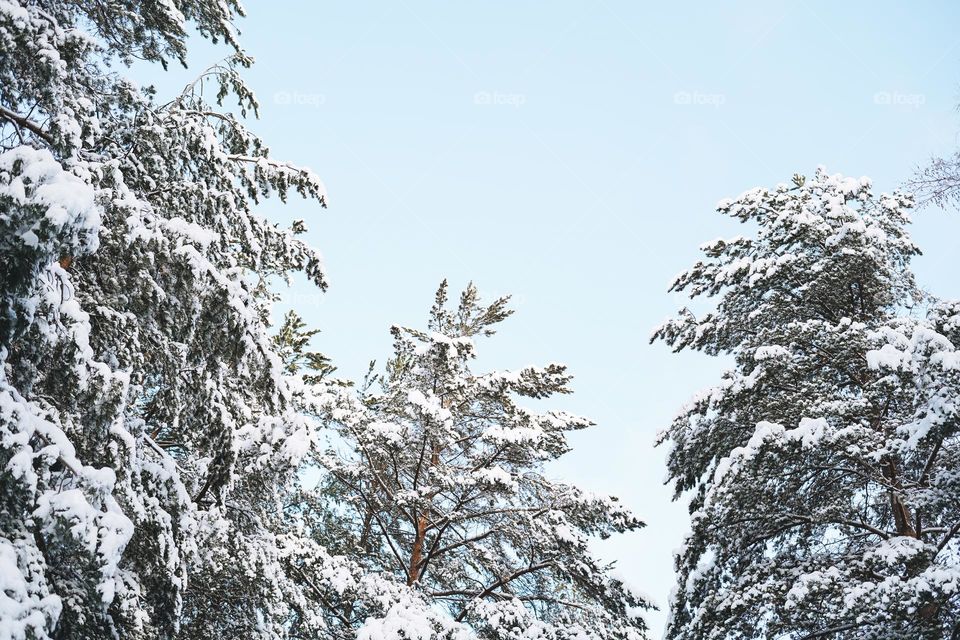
901,513
416,554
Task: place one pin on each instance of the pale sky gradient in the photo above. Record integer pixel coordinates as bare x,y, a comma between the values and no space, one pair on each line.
571,153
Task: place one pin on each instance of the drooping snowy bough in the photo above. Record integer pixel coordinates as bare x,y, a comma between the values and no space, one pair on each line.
824,470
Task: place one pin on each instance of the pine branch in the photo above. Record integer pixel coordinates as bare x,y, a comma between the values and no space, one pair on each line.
25,123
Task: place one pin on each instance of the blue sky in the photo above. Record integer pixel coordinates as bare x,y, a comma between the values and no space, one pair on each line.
571,154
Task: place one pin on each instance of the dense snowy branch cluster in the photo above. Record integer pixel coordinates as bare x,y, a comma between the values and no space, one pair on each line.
823,468
441,478
136,358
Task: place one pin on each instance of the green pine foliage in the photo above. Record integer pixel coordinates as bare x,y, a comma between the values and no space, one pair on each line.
438,472
820,468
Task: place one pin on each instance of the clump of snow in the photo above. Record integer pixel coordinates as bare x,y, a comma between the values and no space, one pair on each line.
34,178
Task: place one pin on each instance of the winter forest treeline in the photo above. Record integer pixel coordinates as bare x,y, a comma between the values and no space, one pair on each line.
162,439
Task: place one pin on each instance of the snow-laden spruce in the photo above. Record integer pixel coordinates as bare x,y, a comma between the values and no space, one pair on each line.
149,434
437,478
824,469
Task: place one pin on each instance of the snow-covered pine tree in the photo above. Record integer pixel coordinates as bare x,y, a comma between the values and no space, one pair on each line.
149,427
438,478
824,469
335,596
